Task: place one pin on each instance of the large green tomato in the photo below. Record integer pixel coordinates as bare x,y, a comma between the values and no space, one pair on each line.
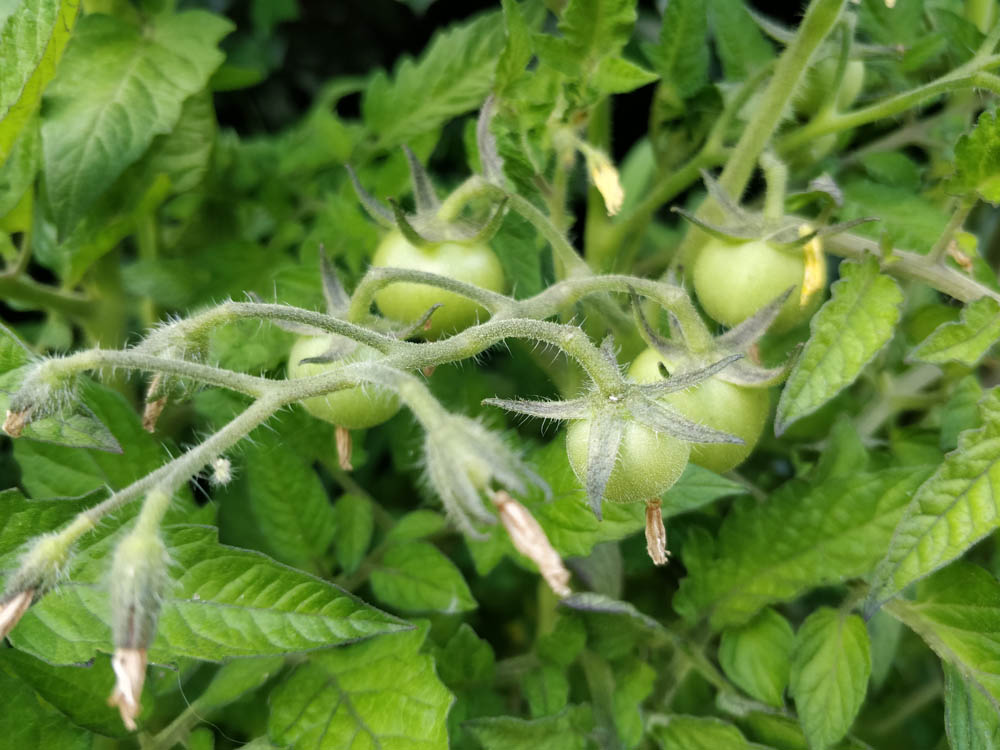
354,408
648,463
733,281
735,409
406,302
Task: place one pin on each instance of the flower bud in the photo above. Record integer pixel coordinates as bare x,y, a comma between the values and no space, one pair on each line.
42,565
138,581
530,540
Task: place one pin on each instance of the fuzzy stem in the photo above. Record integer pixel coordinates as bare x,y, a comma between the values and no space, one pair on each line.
962,211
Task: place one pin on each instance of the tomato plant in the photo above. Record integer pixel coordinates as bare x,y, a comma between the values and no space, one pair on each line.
563,375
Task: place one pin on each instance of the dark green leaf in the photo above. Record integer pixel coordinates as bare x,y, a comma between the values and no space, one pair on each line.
27,722
353,525
565,731
682,56
417,577
741,46
700,733
973,723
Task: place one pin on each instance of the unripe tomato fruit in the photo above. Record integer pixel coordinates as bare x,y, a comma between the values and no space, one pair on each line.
735,409
648,463
354,408
403,301
819,86
733,281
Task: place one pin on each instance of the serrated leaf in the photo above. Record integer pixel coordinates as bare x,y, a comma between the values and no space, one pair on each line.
800,538
682,56
222,603
78,692
120,87
757,656
977,160
971,721
27,722
353,525
846,333
183,154
616,75
418,577
453,76
593,29
700,733
966,341
517,50
950,512
829,678
741,46
380,693
288,502
564,731
32,40
696,488
957,612
520,255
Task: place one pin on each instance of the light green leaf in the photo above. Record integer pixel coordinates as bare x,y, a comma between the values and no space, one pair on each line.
906,218
380,693
222,603
800,538
32,40
953,509
21,519
546,689
288,502
13,352
418,577
79,692
740,44
616,75
453,76
564,731
700,733
517,50
353,525
961,411
977,160
520,256
594,29
18,173
27,722
682,56
966,341
633,684
757,656
972,722
830,669
236,678
847,332
957,613
183,154
466,658
696,488
417,524
120,88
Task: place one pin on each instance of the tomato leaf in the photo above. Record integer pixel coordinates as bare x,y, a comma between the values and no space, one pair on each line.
418,577
757,656
977,160
972,722
966,341
566,730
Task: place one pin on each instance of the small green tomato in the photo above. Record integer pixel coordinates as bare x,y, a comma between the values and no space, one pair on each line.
354,408
648,463
735,409
472,263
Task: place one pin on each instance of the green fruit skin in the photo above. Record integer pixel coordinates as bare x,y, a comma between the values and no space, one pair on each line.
648,463
406,302
355,408
733,281
735,409
819,83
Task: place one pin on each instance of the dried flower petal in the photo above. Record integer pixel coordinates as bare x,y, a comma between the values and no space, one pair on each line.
129,665
15,421
12,609
151,414
656,534
605,178
814,277
344,447
529,539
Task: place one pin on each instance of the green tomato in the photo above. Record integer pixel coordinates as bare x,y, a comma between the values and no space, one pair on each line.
472,263
819,86
648,463
735,409
354,408
733,281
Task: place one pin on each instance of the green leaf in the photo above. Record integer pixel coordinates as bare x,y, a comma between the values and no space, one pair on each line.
846,334
966,341
564,731
830,669
741,46
17,174
32,40
353,525
21,519
616,75
696,488
235,679
222,603
453,76
700,733
977,160
288,502
27,722
951,511
961,411
120,87
633,684
800,538
380,693
517,50
13,352
418,577
183,154
906,219
682,56
418,524
972,722
78,692
520,256
546,689
757,656
957,613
